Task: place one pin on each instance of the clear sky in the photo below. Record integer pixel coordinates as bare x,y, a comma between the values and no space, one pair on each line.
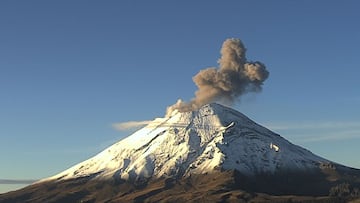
70,69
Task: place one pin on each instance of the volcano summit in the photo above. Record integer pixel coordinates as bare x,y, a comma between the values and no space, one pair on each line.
198,142
212,154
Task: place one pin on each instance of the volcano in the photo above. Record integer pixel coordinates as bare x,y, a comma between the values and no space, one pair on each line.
213,154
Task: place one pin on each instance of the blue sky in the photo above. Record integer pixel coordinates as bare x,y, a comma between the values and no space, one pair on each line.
70,69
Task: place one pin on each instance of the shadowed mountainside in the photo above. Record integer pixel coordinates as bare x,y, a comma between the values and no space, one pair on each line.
225,186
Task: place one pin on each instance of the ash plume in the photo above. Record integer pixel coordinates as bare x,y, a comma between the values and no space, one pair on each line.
234,77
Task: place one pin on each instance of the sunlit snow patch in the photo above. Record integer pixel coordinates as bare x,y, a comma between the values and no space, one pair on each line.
274,147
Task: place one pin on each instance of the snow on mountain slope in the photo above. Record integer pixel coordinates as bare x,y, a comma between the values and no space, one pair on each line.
211,138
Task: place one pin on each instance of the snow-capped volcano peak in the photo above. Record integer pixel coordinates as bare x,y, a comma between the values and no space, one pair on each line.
212,138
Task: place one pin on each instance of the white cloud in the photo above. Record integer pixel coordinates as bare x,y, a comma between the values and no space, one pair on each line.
318,131
340,135
10,181
313,125
129,125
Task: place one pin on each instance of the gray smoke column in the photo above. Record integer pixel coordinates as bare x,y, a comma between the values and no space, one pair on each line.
234,77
